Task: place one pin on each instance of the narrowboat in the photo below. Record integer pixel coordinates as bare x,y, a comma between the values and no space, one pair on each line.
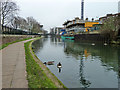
69,37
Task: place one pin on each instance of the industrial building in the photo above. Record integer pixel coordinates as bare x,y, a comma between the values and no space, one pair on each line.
79,26
75,25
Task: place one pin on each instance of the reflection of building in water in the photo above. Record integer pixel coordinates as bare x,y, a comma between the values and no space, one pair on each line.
70,48
55,39
107,56
78,52
75,50
86,53
56,30
83,81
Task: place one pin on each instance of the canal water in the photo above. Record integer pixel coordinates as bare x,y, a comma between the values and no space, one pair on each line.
83,65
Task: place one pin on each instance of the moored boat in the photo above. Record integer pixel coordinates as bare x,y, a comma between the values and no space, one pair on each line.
70,37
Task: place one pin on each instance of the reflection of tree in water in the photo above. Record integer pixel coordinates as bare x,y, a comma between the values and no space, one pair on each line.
56,41
78,52
83,81
107,54
38,44
70,49
52,39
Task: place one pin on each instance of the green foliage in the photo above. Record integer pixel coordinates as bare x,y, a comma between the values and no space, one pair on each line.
110,24
35,75
110,27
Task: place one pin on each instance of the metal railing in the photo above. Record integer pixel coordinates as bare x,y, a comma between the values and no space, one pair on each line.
13,31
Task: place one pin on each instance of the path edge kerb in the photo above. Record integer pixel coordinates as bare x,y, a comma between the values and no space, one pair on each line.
54,79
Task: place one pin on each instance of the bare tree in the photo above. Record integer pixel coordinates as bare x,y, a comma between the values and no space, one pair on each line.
7,9
26,24
8,12
34,26
19,22
15,22
23,23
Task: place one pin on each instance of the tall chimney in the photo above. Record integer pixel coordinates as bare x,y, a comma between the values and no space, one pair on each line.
82,9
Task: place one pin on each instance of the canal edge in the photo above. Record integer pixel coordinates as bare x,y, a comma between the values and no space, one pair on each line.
49,74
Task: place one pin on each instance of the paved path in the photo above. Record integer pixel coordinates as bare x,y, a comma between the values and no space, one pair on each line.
14,66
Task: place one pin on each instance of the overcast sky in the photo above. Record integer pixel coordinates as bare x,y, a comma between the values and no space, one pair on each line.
53,13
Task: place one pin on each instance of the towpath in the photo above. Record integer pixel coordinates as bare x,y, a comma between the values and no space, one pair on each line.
14,66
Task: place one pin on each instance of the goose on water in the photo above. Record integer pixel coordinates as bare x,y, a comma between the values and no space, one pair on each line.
105,44
49,63
59,65
93,44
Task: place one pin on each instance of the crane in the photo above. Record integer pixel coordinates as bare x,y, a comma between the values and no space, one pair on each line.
82,9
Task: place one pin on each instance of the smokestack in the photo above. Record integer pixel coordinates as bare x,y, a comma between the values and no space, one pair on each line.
82,9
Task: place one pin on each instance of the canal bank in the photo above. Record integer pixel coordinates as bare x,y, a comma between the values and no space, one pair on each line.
38,75
83,65
13,68
97,38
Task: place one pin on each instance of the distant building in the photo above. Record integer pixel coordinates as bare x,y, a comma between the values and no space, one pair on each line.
56,30
119,7
79,26
76,25
90,24
103,19
52,31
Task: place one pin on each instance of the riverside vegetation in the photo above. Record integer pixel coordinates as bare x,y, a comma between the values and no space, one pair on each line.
37,78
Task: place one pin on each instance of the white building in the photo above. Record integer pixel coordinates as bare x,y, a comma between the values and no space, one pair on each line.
119,7
56,30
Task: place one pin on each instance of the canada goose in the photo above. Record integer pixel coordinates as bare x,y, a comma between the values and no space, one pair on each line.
49,63
105,44
93,44
45,63
59,65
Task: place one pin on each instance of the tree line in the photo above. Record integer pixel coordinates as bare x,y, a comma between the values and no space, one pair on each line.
111,27
9,17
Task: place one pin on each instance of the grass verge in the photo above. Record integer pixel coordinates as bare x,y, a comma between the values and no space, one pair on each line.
35,75
5,45
47,69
